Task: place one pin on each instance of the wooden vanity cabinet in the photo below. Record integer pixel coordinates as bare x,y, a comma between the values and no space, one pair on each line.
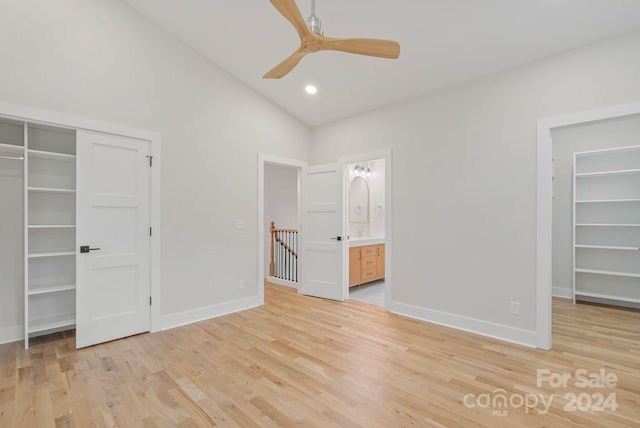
366,264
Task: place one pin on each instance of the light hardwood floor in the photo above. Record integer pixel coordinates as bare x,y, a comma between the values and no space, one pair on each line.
301,361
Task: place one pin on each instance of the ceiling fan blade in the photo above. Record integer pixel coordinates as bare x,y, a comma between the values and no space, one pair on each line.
290,11
285,66
371,47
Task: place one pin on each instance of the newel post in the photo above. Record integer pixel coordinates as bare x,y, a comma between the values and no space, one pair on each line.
272,264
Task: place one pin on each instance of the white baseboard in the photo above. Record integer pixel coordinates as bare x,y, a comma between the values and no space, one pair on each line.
563,292
471,325
200,314
284,282
10,334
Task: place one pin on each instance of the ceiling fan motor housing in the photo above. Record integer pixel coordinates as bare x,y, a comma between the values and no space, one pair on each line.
314,24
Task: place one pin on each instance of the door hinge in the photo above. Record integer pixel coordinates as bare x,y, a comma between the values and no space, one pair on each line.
150,231
150,160
149,300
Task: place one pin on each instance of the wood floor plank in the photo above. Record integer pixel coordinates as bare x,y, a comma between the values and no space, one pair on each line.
304,362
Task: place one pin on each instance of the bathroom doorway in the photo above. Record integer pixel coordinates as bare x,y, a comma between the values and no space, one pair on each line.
367,239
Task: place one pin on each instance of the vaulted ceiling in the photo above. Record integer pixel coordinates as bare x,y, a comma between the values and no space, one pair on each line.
443,43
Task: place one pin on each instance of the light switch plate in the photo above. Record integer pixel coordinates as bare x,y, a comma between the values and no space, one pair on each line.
241,223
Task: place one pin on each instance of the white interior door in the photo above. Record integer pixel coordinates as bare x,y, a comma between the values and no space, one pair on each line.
322,238
113,219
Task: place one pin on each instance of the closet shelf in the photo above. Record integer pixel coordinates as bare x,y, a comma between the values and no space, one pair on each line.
39,254
11,149
49,290
606,296
598,201
41,154
605,173
608,224
607,247
52,226
50,190
60,321
608,272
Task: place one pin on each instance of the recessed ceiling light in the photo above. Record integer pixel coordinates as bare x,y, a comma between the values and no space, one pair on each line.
310,89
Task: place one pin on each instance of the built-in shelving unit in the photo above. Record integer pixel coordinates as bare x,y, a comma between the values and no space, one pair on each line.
607,226
50,233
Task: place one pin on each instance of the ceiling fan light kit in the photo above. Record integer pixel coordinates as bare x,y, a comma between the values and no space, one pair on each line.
312,40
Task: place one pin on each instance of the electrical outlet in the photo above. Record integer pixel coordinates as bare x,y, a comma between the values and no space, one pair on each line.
242,284
515,308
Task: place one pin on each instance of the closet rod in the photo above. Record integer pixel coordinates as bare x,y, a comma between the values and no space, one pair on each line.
12,157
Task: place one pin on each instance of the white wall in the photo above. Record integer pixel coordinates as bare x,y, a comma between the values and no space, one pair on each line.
567,141
280,202
101,59
464,183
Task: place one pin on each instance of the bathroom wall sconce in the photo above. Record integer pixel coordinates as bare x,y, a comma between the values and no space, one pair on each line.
362,171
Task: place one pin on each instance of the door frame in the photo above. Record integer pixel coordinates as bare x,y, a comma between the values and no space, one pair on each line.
47,117
275,160
387,155
544,260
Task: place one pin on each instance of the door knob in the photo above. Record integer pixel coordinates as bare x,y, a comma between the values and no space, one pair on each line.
86,249
337,238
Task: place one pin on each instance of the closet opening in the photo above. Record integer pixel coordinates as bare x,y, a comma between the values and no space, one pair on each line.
52,171
588,211
596,212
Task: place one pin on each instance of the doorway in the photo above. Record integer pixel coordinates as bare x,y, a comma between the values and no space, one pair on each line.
366,206
278,201
281,223
343,244
545,192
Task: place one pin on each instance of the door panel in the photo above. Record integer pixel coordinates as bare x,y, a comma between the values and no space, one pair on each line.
322,260
113,287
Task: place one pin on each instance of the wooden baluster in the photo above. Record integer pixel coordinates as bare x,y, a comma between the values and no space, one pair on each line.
280,258
290,256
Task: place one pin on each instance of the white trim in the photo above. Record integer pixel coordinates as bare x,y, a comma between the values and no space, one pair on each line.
544,207
284,282
11,334
387,155
208,312
562,292
471,325
156,237
45,117
277,160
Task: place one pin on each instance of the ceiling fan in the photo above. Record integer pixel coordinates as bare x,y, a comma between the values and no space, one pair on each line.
312,40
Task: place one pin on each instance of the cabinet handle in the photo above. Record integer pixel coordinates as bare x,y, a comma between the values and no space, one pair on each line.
359,254
378,251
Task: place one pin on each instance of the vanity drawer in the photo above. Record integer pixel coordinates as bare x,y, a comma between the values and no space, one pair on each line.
368,273
369,251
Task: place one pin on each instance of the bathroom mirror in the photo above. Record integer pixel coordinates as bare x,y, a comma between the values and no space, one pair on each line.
359,200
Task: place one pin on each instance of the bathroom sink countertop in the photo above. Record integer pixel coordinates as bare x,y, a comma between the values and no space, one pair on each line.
359,241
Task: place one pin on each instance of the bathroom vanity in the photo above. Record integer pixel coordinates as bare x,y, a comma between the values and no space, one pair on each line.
366,260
